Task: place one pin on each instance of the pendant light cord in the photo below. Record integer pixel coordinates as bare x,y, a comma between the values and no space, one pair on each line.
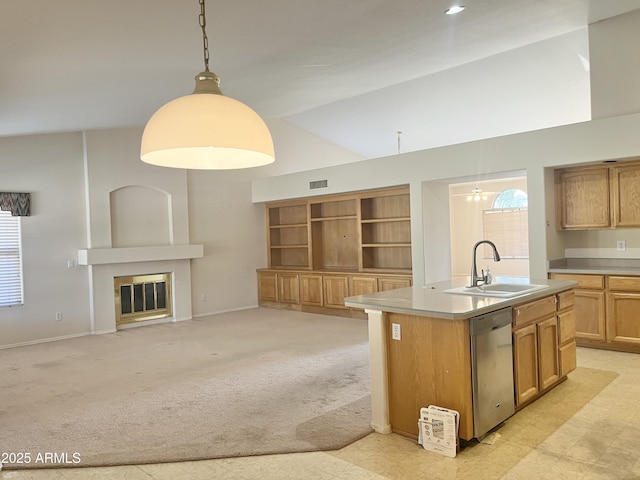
205,40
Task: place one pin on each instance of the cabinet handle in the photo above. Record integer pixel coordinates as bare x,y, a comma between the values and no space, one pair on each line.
518,312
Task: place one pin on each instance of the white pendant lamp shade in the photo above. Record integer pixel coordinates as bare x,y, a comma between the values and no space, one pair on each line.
206,131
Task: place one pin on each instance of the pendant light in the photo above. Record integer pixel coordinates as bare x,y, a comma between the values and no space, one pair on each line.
206,130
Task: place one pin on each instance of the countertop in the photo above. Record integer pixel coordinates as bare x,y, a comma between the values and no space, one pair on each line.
596,266
431,301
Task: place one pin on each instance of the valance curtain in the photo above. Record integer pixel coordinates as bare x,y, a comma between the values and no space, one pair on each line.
19,204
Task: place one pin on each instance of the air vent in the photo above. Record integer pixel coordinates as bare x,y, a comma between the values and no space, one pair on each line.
318,184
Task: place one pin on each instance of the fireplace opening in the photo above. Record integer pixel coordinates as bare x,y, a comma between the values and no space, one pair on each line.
142,297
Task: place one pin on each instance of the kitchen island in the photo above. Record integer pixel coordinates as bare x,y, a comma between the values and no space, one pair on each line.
431,362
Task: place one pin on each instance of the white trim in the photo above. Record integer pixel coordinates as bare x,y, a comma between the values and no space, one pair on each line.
45,340
217,312
106,256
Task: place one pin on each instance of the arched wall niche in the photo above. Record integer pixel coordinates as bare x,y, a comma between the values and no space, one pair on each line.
141,216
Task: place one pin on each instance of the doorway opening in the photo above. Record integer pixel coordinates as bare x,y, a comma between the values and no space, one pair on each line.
490,209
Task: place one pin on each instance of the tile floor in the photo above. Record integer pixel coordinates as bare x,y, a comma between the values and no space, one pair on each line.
561,436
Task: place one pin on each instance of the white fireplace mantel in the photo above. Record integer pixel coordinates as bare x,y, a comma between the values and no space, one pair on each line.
107,256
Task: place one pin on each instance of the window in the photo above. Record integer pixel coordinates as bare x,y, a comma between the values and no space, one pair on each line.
507,224
10,260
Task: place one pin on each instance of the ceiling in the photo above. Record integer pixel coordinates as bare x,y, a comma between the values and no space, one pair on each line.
75,64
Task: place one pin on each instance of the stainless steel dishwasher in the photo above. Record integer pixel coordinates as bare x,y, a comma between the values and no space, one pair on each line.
491,370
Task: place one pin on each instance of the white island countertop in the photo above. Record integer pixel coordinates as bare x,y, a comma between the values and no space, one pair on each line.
431,301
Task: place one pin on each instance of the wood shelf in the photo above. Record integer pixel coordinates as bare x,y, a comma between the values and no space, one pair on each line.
329,219
349,232
386,220
385,245
293,225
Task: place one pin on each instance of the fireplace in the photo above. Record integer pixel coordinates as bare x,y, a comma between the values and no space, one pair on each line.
142,297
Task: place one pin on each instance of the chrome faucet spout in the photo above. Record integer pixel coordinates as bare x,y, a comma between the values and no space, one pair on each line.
475,278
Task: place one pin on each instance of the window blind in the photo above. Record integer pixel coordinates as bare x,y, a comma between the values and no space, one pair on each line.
10,260
509,230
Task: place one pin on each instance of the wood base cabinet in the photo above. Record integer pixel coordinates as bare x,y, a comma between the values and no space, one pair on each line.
321,292
429,365
336,288
543,344
623,311
607,311
311,289
525,360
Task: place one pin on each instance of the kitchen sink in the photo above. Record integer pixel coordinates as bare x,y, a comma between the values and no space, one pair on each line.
496,289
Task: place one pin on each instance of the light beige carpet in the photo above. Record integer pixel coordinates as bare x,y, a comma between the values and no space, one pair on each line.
244,383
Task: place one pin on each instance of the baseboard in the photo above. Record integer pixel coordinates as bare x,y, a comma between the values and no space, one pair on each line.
384,429
217,312
44,340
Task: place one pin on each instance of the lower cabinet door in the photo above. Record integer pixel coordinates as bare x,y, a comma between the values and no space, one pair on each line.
525,359
567,355
267,287
548,352
311,290
590,314
363,285
623,323
288,288
336,288
391,283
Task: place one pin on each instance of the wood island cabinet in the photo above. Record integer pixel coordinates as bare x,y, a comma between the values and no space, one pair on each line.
433,353
598,197
544,349
431,363
525,360
535,347
566,332
335,246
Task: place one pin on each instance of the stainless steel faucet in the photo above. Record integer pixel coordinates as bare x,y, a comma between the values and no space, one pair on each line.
475,279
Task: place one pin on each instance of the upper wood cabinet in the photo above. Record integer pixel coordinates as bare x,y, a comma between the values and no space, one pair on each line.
582,198
625,182
598,197
361,232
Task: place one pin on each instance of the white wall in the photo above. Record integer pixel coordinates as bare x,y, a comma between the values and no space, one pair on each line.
546,80
50,167
598,140
615,65
298,150
71,177
232,230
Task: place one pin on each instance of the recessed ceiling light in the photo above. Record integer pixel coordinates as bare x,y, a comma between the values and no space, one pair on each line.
455,9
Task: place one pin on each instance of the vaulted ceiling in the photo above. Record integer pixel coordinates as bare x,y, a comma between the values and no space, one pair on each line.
324,65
